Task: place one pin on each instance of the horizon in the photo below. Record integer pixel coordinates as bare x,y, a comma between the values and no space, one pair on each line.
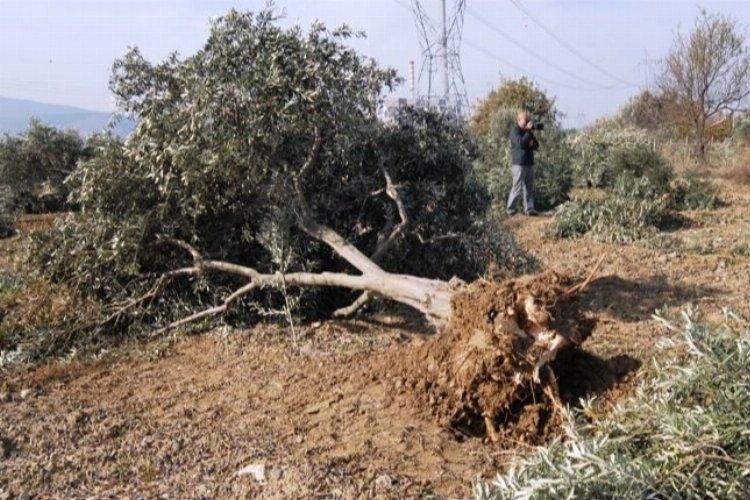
61,53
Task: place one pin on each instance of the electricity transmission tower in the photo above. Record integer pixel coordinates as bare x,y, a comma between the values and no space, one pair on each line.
440,71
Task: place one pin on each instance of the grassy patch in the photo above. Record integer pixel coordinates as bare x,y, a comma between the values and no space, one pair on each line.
741,249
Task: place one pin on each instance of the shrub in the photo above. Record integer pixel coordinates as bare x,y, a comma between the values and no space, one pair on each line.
575,218
34,165
552,169
690,192
742,249
737,169
603,153
682,435
658,113
632,210
639,187
741,132
6,219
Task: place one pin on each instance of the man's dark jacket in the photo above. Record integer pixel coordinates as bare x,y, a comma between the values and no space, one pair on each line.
522,146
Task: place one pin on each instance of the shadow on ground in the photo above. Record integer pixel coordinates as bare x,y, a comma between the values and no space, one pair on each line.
676,221
636,300
581,374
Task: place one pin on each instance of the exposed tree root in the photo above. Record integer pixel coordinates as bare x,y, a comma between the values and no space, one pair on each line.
489,372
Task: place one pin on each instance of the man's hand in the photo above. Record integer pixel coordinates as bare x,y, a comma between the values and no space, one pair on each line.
529,125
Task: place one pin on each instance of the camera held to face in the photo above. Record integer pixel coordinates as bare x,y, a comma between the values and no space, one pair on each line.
537,126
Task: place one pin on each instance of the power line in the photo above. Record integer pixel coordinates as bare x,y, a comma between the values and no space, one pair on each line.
402,4
518,68
533,53
568,46
441,55
491,55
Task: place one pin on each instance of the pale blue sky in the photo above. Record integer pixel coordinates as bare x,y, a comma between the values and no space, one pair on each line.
61,51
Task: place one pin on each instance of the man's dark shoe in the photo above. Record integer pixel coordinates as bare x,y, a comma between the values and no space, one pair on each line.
510,213
532,213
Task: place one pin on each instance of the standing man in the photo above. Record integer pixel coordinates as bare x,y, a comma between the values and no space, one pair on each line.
522,147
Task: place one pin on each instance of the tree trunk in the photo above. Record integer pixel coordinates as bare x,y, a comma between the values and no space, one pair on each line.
701,139
430,297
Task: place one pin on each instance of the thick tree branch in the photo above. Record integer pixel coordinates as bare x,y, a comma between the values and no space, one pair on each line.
321,232
392,191
383,246
359,303
431,297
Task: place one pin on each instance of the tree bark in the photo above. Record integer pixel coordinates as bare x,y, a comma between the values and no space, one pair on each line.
383,246
430,297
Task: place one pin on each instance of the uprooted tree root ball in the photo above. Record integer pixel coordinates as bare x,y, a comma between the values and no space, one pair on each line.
489,372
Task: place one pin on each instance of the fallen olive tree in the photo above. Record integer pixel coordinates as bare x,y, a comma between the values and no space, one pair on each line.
264,151
492,362
260,170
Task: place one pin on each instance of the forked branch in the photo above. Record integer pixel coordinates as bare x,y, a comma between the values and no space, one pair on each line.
321,232
431,297
383,246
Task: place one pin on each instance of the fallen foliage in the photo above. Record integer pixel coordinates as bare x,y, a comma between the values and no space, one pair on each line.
40,319
633,210
682,435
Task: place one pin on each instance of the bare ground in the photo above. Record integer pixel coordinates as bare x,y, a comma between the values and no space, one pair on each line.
180,417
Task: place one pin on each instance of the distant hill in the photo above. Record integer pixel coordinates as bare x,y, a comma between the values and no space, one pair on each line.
16,113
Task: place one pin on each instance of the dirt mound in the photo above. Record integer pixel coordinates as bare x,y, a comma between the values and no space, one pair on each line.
489,372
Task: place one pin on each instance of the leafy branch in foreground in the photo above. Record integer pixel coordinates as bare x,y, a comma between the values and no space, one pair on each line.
684,434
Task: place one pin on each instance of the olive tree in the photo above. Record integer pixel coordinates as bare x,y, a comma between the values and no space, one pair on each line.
34,164
512,95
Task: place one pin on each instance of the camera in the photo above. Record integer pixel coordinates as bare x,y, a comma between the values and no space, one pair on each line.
537,126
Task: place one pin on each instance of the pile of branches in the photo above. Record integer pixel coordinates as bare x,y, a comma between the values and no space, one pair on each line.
628,191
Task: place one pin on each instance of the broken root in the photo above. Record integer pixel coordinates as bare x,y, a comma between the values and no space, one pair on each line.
489,373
